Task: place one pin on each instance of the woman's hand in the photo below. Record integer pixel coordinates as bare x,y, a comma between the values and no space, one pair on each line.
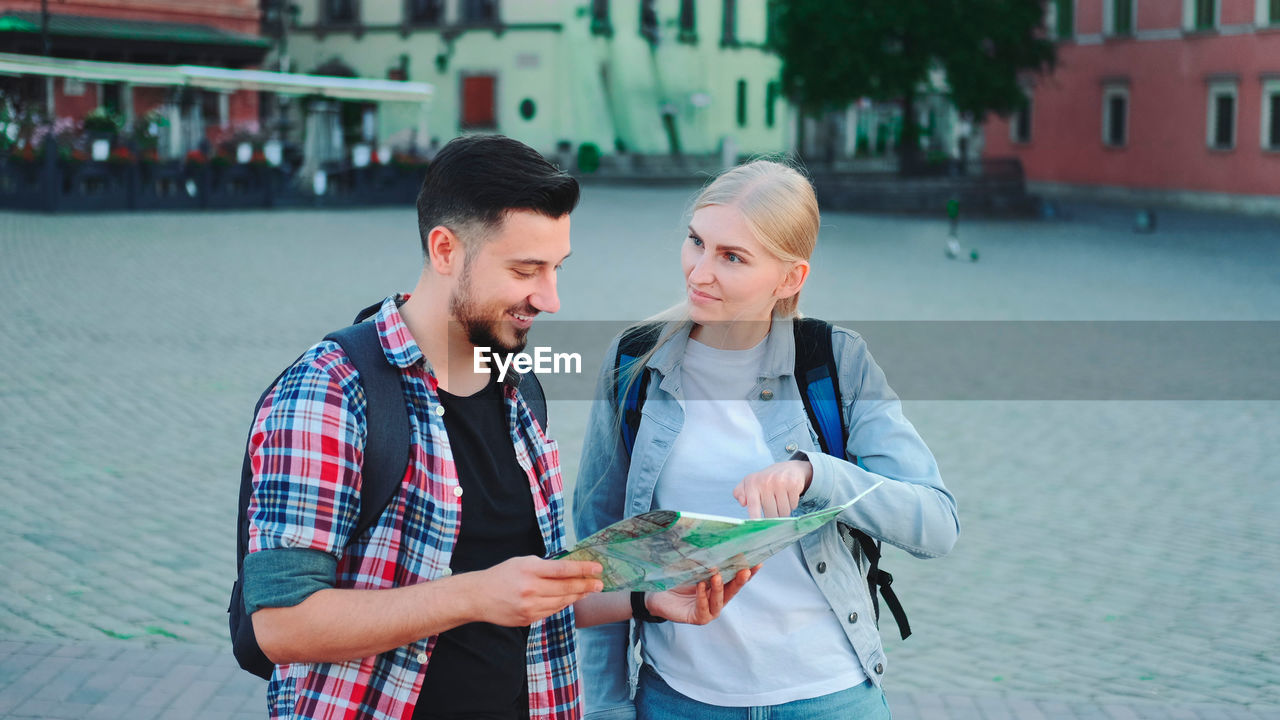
774,491
697,604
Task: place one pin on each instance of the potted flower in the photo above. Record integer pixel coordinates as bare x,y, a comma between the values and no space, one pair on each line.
102,126
120,156
101,121
23,153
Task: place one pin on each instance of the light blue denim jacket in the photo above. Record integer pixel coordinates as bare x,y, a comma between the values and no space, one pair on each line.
912,510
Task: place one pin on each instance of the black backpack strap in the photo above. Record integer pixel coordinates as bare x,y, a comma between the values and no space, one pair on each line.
882,580
818,378
634,344
386,450
531,390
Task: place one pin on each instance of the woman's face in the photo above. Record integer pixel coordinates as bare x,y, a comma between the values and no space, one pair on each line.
730,276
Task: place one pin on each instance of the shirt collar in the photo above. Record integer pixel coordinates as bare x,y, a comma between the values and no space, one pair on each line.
399,346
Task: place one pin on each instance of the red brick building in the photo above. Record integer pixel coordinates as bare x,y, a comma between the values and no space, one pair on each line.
1162,100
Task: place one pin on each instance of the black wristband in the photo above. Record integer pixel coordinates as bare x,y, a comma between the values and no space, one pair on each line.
640,612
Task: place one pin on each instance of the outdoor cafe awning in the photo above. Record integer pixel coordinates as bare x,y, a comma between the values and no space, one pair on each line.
211,78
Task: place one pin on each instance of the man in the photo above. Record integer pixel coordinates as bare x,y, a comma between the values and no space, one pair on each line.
444,608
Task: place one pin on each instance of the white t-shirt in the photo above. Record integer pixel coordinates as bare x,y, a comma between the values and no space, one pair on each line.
778,640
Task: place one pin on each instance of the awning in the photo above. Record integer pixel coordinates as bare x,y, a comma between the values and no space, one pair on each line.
117,38
218,78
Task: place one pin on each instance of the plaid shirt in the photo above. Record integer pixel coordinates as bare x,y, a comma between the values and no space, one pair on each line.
306,449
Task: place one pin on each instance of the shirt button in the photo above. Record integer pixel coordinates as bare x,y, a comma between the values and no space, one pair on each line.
440,410
791,447
853,618
879,668
457,492
447,572
422,657
822,567
766,394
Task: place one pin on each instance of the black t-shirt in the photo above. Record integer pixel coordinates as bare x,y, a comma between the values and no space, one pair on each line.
477,670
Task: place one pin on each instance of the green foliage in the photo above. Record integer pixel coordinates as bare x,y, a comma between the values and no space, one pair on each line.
588,157
834,53
102,120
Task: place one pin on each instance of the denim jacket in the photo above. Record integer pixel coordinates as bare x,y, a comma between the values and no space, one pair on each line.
912,510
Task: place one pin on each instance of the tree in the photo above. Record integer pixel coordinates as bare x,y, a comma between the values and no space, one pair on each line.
836,52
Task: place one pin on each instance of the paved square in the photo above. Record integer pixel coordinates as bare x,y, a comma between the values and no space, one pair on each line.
1118,559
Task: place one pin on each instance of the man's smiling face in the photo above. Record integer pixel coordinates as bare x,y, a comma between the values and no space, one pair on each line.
509,278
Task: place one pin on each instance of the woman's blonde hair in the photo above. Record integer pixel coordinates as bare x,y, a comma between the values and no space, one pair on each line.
778,205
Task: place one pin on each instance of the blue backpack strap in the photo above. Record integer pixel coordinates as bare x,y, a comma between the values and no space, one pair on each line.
819,381
818,378
635,342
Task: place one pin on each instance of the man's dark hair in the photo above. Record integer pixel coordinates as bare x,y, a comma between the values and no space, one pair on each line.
475,180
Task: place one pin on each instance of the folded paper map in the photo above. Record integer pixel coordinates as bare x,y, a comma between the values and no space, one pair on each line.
664,549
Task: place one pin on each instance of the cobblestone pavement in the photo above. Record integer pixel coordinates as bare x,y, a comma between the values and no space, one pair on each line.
1119,559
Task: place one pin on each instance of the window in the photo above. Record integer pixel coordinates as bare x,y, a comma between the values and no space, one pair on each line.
1115,115
479,11
339,12
1122,17
1273,12
1222,115
1271,115
729,29
479,102
1020,125
1064,23
424,12
742,103
649,21
1200,14
688,21
600,24
770,102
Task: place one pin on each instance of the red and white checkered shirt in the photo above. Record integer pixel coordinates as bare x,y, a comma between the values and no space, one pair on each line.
307,449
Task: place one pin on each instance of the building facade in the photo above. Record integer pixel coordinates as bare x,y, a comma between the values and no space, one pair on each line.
648,77
1163,100
219,33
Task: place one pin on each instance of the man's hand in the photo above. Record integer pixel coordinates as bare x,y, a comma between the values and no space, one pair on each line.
697,604
774,491
524,590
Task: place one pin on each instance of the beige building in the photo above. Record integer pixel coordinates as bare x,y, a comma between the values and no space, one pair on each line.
647,76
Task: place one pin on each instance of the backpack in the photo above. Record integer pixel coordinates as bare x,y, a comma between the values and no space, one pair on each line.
817,376
386,458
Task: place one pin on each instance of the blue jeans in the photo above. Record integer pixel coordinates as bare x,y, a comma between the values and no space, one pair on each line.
655,700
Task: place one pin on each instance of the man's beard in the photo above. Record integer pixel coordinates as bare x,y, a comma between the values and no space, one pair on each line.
481,324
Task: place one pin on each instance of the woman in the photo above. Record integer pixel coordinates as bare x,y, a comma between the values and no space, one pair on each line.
724,431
